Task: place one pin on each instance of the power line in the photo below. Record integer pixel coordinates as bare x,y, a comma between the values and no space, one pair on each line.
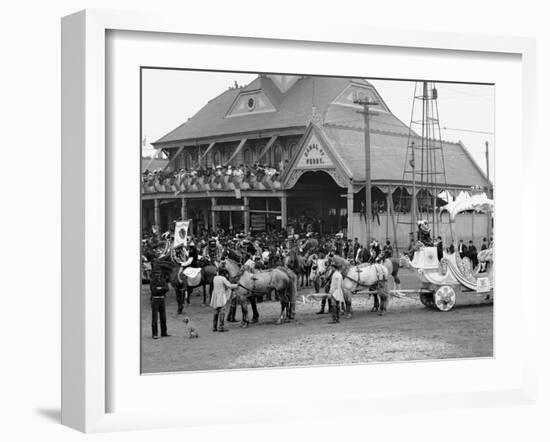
469,130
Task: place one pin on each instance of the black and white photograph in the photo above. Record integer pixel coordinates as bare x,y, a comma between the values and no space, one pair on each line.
294,220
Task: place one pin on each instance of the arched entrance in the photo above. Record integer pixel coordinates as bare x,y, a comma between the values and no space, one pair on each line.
316,203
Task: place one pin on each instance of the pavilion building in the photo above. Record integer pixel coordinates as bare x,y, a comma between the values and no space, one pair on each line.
308,127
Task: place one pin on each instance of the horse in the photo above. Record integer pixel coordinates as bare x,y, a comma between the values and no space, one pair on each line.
298,264
174,273
251,284
317,271
369,276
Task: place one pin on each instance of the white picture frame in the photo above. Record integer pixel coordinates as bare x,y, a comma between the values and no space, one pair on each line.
85,214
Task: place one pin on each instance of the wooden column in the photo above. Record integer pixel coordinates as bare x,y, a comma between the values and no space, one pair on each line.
350,210
283,212
205,218
156,215
246,215
388,201
183,209
391,211
213,203
266,216
183,214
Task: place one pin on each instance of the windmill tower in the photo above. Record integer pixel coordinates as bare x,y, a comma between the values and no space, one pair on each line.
424,162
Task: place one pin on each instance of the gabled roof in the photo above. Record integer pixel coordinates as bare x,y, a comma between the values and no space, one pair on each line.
294,109
341,126
388,152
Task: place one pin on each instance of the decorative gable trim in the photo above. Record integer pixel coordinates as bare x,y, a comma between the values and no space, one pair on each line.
315,153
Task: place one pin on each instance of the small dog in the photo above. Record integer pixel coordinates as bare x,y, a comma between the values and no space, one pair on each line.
192,332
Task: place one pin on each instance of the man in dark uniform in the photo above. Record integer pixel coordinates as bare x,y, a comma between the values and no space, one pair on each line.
159,287
387,251
462,249
452,247
484,244
214,250
472,253
439,245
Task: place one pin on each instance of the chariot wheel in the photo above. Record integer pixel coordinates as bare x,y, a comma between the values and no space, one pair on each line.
427,299
445,298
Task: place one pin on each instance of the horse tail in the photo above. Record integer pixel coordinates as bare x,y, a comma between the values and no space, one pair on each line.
293,289
293,282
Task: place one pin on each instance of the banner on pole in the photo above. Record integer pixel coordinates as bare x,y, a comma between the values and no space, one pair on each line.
180,233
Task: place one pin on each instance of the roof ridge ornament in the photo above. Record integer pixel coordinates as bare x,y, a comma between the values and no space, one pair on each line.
315,117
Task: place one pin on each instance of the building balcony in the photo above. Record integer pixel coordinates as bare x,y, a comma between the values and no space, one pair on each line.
229,183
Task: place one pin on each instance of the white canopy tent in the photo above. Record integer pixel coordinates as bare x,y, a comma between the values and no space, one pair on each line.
465,202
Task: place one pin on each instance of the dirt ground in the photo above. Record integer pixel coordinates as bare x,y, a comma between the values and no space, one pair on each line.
409,331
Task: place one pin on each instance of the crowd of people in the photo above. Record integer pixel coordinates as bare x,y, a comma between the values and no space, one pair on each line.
268,250
228,177
254,252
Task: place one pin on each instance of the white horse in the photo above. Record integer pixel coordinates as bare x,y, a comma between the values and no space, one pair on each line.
363,276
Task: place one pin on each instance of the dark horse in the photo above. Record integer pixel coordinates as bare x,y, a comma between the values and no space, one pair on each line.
298,263
252,284
174,273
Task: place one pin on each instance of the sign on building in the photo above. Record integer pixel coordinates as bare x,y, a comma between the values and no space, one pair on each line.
314,156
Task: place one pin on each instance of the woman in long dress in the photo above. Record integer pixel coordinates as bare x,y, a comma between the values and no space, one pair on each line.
221,293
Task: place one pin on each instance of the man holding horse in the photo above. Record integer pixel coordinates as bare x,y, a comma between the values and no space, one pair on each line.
336,293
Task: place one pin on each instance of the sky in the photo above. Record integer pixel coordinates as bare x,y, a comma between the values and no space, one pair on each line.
466,111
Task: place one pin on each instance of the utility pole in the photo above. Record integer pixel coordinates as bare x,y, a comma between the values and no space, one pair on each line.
367,113
489,195
413,197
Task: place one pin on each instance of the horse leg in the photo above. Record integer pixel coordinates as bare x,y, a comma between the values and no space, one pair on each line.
383,298
284,308
179,299
396,280
232,311
347,303
244,311
255,314
376,305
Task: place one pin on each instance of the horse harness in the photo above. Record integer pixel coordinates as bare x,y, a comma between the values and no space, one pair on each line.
379,273
253,290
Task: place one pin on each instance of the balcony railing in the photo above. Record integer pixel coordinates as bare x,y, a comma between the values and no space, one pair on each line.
229,183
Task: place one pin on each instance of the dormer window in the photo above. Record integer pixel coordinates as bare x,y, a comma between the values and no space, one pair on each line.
250,102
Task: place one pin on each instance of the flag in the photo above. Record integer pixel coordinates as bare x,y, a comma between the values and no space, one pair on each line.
180,233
